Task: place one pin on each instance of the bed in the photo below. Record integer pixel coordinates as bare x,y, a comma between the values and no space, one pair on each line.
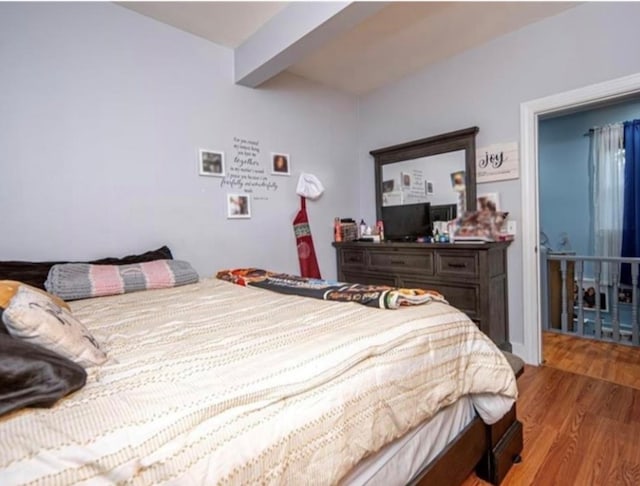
214,383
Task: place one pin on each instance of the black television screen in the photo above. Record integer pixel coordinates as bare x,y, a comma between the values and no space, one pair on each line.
406,222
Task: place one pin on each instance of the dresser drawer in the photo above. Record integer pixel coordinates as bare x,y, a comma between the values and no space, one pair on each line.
495,465
472,277
506,452
404,262
352,258
498,429
457,264
463,297
368,278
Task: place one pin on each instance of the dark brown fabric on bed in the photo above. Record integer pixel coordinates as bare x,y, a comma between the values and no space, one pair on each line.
3,329
35,273
31,376
163,253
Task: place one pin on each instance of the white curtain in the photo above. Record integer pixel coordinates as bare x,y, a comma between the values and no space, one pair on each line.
606,159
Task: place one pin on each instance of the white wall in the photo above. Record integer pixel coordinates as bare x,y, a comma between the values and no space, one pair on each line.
436,169
102,111
590,43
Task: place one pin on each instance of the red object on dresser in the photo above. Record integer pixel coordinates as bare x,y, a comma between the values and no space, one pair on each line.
304,242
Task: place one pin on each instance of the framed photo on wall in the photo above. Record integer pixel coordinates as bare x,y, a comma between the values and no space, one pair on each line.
280,164
211,163
238,206
428,188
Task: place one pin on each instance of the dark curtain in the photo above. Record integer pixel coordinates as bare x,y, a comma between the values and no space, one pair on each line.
631,213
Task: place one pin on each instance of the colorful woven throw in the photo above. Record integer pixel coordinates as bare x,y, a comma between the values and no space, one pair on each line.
381,296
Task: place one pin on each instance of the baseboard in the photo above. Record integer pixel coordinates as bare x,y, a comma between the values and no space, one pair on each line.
520,350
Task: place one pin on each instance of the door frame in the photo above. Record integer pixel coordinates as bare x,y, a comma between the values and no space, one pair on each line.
530,113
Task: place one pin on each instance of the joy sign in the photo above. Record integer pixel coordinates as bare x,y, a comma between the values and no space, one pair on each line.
497,162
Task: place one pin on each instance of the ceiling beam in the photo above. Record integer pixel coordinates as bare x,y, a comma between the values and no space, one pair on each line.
294,32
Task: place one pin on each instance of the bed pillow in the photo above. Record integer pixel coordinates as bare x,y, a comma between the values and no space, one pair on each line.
34,317
35,273
8,289
80,280
32,376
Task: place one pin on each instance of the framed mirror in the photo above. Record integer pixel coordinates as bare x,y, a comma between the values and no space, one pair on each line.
440,170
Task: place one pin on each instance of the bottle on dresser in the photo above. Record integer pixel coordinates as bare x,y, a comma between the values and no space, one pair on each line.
362,229
337,230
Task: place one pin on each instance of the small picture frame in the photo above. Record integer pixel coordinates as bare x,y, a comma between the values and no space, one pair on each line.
457,179
211,163
428,188
238,206
625,295
588,295
406,180
387,186
280,164
490,202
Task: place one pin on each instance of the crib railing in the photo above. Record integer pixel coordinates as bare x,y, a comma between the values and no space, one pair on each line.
581,318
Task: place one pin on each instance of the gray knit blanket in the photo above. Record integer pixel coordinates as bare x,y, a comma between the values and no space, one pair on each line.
71,281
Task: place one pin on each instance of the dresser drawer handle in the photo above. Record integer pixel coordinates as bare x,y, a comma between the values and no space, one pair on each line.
398,262
456,265
353,260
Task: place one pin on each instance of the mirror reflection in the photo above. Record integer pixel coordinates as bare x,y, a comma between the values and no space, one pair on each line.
437,172
437,179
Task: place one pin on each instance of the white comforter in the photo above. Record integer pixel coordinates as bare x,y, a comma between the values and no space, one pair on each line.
213,383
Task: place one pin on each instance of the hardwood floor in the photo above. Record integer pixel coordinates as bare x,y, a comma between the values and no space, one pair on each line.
577,431
606,361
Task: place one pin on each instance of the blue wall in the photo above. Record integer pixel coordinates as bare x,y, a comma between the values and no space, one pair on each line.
564,184
563,173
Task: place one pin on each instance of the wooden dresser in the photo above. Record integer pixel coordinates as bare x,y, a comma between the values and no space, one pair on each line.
472,277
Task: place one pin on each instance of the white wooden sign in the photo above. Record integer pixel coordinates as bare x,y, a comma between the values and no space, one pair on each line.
498,162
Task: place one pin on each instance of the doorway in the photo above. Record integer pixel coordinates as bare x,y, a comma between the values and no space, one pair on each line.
530,113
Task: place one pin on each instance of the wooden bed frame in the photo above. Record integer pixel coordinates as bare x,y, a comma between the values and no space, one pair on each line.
489,449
